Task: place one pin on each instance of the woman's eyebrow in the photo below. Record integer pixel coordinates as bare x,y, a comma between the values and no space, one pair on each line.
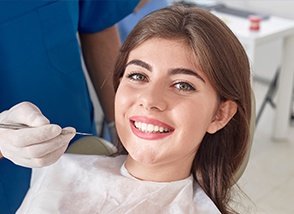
140,63
187,72
171,71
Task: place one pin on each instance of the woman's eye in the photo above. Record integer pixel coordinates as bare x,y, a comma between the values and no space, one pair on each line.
137,77
183,86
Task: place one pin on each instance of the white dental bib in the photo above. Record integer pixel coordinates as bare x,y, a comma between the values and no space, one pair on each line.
100,184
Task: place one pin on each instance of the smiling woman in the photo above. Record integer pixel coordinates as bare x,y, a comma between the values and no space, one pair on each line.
174,69
182,112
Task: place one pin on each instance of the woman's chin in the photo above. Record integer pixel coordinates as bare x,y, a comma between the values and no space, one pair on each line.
144,157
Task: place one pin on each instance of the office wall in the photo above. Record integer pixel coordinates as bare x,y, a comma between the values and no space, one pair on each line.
283,8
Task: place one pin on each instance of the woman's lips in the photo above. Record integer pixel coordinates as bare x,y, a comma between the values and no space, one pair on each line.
149,129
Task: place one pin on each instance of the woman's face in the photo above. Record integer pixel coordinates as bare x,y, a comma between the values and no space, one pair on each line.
164,104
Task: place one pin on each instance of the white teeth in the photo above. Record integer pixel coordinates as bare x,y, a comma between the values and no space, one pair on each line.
144,127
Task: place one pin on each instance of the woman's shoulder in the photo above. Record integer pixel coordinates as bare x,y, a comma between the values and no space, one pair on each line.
203,203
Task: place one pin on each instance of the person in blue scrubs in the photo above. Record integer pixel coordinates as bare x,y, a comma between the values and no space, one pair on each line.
41,63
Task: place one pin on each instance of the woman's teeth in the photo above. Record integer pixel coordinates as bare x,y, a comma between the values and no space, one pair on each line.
144,127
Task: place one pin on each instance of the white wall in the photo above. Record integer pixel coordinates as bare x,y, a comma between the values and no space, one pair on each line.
283,8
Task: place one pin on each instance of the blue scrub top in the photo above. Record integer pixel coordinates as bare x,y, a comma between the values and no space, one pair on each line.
40,63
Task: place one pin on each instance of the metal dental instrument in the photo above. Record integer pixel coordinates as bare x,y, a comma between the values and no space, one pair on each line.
16,126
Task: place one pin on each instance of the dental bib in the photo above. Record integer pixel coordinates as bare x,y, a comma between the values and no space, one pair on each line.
101,184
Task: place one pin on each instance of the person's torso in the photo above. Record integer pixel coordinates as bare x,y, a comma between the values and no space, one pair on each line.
40,61
96,184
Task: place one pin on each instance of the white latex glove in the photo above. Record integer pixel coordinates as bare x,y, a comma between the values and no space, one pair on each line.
39,146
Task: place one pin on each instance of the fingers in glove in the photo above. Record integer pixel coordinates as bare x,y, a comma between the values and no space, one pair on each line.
26,113
39,149
29,136
37,162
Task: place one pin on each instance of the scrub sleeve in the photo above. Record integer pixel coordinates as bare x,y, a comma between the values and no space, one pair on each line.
40,63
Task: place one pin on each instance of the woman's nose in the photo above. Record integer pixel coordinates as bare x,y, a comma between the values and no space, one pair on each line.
153,97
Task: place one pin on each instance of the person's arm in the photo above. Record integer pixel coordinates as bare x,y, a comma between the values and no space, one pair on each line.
100,50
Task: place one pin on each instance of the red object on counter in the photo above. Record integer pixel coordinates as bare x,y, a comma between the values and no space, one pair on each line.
254,22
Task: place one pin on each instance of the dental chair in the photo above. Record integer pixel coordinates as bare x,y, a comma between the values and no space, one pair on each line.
92,145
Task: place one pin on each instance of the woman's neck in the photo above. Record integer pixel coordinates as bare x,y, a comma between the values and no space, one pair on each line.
159,172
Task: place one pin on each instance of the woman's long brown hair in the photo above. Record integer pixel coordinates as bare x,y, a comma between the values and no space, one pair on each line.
222,58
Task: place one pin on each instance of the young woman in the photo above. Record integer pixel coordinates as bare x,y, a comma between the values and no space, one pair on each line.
182,107
194,77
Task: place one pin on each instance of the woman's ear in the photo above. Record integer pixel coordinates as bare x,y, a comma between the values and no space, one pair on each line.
223,115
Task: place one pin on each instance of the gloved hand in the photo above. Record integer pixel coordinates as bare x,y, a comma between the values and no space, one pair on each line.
38,146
